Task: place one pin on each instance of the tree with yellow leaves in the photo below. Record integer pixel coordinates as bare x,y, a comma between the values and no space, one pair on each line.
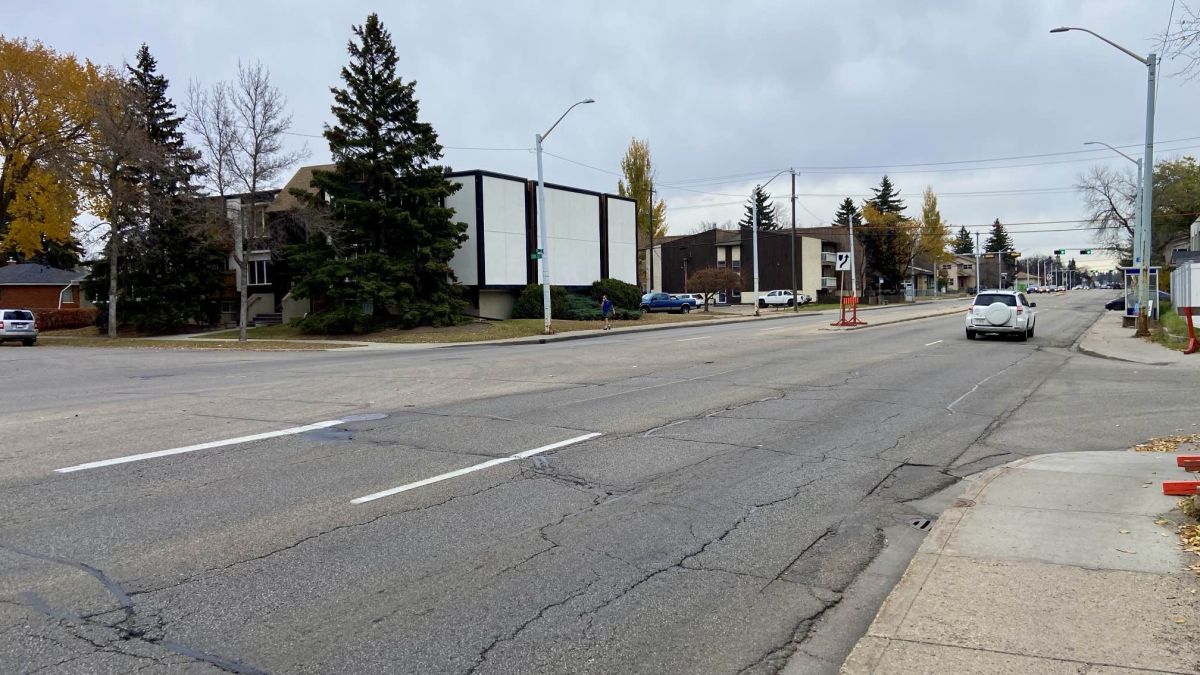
934,236
44,119
638,185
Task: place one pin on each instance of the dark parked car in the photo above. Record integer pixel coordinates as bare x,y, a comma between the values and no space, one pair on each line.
663,302
1119,303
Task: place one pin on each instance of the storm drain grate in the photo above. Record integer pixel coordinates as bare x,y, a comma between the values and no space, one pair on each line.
922,524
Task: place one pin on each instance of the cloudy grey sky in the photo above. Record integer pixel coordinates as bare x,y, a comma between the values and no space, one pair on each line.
727,93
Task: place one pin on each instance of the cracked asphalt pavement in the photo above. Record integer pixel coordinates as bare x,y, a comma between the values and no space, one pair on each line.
745,477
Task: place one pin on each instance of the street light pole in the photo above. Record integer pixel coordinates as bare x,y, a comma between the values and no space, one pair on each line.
754,243
1147,228
795,289
543,238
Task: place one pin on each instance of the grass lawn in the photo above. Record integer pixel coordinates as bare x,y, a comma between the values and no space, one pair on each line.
87,337
1171,323
476,331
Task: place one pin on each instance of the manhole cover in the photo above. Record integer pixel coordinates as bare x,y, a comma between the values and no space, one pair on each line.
922,524
328,435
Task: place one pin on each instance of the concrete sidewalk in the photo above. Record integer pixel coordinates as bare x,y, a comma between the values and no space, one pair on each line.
1108,339
1062,563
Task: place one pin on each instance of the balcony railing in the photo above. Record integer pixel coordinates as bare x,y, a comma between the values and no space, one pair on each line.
828,282
828,258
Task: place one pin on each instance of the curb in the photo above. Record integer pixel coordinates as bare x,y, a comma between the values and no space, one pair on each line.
1077,346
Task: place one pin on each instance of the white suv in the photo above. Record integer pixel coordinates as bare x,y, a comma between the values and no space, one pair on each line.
18,324
1002,313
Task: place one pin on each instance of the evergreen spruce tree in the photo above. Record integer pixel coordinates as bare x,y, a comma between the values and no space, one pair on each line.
963,244
387,195
998,240
768,219
846,211
887,197
888,237
169,273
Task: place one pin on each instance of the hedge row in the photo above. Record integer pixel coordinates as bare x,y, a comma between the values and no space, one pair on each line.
53,319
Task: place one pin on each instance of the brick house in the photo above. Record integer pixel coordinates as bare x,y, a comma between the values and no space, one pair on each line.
33,286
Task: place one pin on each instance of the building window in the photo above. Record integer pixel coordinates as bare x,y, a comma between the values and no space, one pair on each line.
258,273
227,307
66,296
720,264
737,264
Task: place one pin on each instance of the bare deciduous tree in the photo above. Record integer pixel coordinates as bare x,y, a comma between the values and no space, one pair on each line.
240,126
1182,41
1108,198
117,147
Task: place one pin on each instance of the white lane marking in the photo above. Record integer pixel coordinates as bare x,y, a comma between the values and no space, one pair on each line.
461,472
767,330
201,446
930,344
702,337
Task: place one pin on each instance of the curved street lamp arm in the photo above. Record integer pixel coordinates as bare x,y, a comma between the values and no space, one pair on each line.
560,117
1111,148
1062,29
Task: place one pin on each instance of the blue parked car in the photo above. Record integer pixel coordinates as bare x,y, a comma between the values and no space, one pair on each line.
663,302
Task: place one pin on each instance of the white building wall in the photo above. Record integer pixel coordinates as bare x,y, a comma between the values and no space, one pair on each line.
464,263
622,240
504,232
573,226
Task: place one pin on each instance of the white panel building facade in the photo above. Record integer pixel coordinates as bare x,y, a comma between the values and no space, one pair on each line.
591,237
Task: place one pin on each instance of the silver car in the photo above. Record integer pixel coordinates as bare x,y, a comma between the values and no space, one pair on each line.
1001,313
18,324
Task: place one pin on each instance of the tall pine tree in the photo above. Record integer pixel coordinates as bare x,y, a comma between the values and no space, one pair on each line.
387,195
888,238
998,240
963,243
170,273
846,211
768,218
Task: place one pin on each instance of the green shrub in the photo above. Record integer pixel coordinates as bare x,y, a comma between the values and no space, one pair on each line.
623,295
529,303
582,308
627,314
340,321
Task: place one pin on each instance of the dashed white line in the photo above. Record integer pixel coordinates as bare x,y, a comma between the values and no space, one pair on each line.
930,344
201,446
702,337
461,472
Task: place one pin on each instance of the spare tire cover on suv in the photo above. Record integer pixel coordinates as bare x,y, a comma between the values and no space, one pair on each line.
997,313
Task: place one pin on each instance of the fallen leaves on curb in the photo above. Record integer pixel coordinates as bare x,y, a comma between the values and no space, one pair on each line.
1129,552
1123,531
1166,443
1178,619
1189,539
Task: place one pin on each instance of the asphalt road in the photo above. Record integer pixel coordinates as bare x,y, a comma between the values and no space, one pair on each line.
743,478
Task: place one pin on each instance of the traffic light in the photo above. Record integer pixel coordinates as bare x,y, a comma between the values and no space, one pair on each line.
1060,251
1085,251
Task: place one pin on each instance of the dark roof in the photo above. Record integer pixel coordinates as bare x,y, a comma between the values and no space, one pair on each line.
33,274
1178,257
